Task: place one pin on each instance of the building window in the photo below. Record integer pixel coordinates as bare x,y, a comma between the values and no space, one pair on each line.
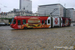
24,21
45,21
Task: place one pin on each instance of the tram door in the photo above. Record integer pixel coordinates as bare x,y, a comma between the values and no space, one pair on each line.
19,24
49,22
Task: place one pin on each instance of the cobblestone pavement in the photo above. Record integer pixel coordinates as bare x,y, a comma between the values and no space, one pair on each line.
37,39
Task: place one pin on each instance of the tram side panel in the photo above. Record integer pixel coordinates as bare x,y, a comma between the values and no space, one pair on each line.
56,21
66,22
38,22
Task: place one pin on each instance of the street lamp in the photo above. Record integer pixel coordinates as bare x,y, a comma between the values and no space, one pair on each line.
53,11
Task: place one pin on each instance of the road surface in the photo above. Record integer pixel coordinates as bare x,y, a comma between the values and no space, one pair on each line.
37,39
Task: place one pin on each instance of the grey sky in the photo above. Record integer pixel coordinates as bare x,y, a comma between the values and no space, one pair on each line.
8,5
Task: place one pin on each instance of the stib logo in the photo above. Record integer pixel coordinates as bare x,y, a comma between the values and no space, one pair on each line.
56,21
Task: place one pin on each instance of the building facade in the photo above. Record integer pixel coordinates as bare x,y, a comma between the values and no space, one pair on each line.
26,5
74,16
16,12
70,13
52,9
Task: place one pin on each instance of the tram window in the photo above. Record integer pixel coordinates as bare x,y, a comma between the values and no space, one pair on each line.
63,21
14,22
19,22
24,21
45,21
69,21
42,21
48,21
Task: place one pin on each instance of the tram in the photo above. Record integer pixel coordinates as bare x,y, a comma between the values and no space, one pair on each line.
24,22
